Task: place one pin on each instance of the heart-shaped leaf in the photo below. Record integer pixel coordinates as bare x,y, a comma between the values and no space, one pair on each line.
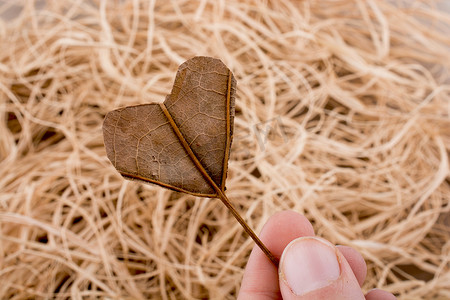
142,141
184,143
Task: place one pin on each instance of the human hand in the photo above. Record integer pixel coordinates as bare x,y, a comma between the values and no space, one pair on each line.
310,267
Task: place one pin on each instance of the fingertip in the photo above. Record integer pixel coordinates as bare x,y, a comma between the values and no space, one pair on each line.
313,268
282,228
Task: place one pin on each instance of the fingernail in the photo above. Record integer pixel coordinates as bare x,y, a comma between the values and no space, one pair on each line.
308,264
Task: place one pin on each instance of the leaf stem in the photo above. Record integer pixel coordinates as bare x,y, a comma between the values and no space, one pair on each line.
247,228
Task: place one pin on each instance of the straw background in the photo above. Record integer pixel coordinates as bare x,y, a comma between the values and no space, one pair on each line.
342,114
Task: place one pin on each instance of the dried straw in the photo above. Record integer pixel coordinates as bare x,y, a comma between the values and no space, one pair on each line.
342,115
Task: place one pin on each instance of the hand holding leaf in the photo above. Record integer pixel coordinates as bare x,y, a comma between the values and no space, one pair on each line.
184,143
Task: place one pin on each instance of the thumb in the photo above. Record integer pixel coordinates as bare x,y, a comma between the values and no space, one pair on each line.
313,268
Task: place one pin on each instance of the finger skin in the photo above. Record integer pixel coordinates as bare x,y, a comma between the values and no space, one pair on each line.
356,262
261,276
377,294
346,286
